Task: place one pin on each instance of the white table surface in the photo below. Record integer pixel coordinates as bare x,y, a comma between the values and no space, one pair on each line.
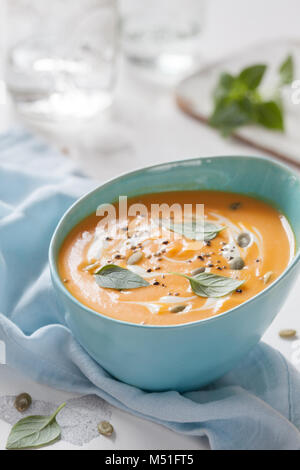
145,127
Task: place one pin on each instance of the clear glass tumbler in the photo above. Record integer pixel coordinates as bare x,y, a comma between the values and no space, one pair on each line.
61,56
163,34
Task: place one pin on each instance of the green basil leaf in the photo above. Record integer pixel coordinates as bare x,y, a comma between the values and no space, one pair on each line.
112,276
224,87
34,431
191,230
253,75
269,114
286,71
212,285
211,230
228,116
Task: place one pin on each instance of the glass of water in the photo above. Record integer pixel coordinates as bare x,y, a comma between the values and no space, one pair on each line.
61,56
163,34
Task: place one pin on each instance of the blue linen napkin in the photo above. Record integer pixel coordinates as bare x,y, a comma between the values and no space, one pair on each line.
256,406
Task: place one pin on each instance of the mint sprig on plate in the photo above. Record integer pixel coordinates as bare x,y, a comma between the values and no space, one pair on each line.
239,102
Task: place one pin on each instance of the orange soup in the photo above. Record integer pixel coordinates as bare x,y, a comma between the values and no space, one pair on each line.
167,276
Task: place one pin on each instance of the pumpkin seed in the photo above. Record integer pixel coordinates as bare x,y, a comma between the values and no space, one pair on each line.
197,271
105,428
23,402
266,277
135,258
92,266
288,333
237,263
243,239
177,308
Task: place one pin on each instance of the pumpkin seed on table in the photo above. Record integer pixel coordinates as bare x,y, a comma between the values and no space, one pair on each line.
243,239
197,271
23,402
177,308
287,333
105,428
237,263
135,258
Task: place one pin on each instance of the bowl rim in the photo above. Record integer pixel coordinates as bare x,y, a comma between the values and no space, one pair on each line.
59,283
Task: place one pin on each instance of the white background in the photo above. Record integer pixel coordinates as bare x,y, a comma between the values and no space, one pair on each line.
145,127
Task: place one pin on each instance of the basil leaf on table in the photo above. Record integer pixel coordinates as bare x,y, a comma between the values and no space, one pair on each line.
286,71
112,276
191,230
212,285
35,431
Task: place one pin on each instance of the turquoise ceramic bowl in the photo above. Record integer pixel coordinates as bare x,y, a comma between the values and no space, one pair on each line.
182,357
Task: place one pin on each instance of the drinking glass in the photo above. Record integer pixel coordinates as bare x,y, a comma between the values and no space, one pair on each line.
61,56
163,34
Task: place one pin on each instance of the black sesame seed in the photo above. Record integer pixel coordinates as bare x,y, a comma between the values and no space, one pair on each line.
235,205
165,242
149,270
156,283
201,257
239,291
